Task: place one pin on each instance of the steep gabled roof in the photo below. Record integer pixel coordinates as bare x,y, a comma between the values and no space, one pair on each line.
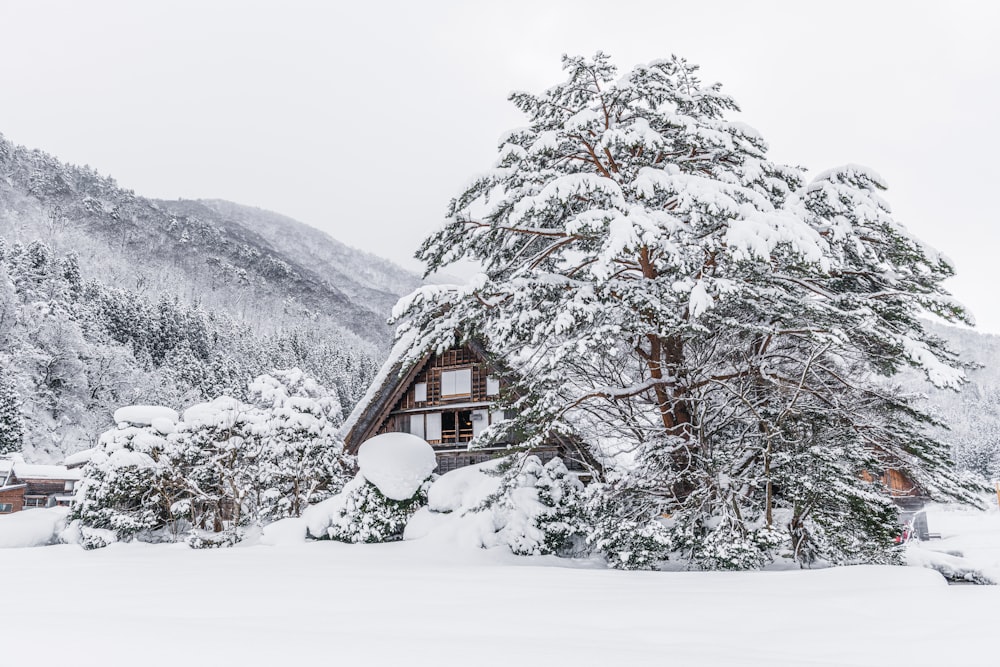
388,386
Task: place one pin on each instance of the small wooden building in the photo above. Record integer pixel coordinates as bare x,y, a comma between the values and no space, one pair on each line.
447,400
27,486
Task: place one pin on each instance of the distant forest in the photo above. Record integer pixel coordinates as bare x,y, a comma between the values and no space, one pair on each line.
109,299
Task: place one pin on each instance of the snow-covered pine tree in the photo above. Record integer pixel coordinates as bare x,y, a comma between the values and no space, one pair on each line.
302,460
127,489
11,424
711,325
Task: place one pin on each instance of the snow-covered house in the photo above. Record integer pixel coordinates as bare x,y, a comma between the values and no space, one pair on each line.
446,399
27,485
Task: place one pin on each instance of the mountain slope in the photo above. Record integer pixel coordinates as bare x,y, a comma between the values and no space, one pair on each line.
223,255
363,277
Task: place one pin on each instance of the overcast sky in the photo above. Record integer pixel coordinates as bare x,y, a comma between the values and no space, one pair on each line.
365,119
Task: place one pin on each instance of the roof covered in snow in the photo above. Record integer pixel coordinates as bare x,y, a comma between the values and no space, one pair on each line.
79,458
37,471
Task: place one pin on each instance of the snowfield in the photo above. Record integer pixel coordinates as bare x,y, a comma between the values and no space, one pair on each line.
425,602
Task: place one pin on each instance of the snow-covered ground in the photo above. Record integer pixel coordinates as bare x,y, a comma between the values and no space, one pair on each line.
423,603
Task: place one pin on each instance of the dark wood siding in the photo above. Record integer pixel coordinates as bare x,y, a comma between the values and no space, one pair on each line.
430,374
13,496
45,487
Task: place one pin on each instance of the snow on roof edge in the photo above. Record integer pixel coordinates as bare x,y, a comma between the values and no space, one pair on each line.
399,349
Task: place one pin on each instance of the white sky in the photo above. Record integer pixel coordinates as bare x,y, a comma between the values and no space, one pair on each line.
365,119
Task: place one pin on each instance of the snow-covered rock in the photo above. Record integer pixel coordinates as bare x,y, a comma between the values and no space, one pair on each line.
396,463
144,415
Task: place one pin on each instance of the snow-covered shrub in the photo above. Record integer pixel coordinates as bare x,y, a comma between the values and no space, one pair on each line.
251,463
514,503
95,538
126,489
721,543
302,461
394,474
201,539
365,514
627,539
226,465
538,508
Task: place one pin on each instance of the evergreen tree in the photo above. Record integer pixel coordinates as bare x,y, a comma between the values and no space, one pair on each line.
11,425
702,318
126,488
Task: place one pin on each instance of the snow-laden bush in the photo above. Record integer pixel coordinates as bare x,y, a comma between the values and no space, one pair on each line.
538,509
514,503
125,486
365,514
394,473
227,465
627,539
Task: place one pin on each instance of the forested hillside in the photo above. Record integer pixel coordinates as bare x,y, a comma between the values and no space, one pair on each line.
972,414
107,298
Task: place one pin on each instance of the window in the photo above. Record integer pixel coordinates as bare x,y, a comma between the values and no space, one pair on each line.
420,392
69,485
456,383
6,508
417,425
433,431
492,386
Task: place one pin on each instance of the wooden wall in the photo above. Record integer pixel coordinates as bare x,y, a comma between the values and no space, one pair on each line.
431,374
15,497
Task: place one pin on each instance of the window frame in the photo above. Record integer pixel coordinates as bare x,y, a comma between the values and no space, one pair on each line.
450,382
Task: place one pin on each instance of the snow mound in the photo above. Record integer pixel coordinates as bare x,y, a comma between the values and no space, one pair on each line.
396,463
464,488
286,531
951,566
144,415
32,528
449,519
